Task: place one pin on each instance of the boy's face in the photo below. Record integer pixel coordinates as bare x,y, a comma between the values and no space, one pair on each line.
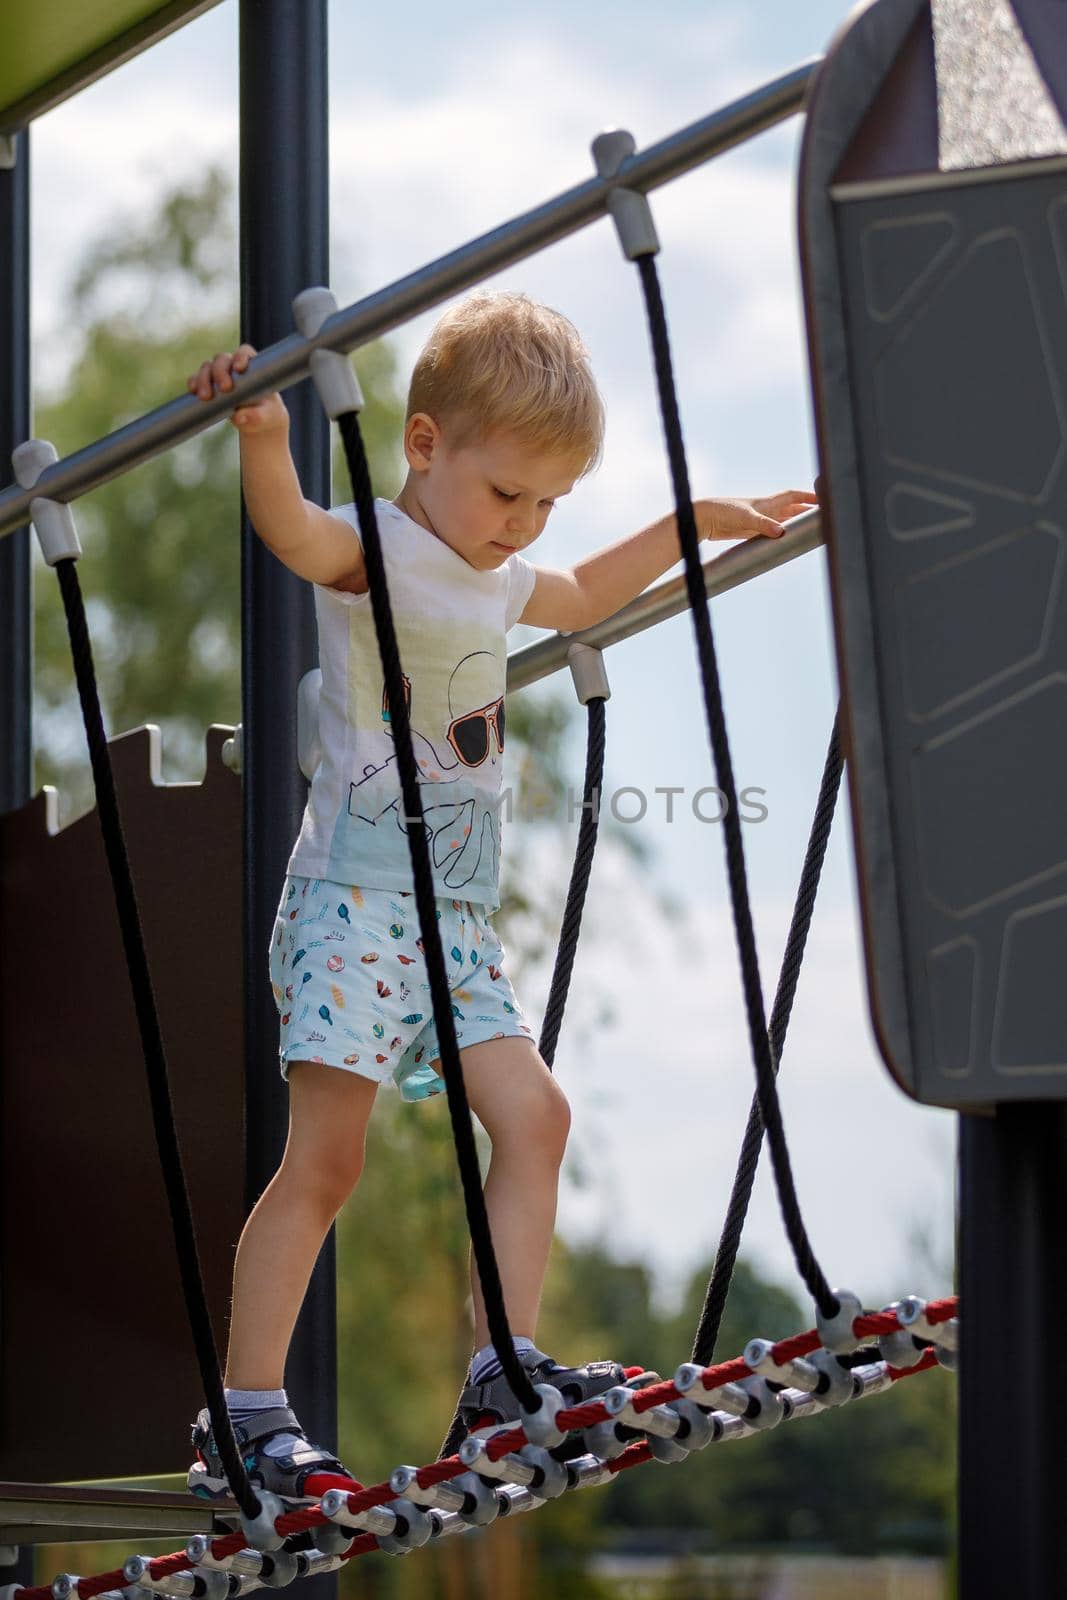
488,499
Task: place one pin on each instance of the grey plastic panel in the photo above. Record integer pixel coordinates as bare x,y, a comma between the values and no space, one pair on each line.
938,322
955,306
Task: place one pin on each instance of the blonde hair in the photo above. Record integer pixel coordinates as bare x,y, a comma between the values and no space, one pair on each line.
499,361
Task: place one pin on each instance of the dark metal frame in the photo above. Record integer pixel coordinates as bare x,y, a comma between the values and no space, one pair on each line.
16,636
285,245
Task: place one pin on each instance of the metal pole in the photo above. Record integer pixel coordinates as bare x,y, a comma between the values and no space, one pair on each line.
286,360
16,593
16,635
1013,1296
284,248
739,564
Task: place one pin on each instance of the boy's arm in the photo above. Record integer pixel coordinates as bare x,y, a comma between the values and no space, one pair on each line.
312,542
601,584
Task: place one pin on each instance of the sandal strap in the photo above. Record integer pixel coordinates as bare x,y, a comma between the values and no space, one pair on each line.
497,1396
279,1419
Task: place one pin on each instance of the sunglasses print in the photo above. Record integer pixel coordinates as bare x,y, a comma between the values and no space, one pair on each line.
469,735
386,716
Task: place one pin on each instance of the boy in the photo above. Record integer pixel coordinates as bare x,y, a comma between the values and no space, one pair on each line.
503,418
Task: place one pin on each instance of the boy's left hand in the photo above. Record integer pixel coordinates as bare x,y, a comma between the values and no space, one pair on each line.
743,519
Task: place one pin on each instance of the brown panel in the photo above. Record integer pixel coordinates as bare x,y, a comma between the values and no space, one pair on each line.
97,1372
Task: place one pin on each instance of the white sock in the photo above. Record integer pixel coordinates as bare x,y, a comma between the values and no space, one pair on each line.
485,1365
243,1405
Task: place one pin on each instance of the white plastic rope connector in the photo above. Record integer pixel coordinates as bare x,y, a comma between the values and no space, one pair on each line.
280,1569
442,1497
836,1386
797,1374
540,1426
728,1397
261,1533
770,1410
205,1583
911,1313
588,671
474,1454
198,1551
836,1332
331,1539
53,519
660,1424
332,373
629,208
658,1420
899,1349
414,1528
378,1520
466,1496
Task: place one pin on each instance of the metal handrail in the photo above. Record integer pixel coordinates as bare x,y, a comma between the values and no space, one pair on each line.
747,559
285,363
668,598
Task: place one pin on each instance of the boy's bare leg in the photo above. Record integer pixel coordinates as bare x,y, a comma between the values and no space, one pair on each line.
328,1114
527,1118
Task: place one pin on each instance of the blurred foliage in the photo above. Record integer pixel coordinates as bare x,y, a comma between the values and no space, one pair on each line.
162,562
161,575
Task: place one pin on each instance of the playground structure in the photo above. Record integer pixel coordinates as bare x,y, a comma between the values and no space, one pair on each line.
884,205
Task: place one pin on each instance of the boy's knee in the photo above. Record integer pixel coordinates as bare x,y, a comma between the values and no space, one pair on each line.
330,1182
517,1100
545,1120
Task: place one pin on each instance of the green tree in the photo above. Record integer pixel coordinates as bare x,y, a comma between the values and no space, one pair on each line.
161,568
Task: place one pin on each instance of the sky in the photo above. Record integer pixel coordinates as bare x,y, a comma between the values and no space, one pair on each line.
442,126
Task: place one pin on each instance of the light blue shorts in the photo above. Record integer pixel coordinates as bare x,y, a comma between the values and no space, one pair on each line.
350,983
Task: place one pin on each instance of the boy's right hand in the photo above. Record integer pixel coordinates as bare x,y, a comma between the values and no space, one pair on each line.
267,413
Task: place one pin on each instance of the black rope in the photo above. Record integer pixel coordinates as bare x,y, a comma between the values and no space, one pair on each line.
452,1069
583,861
151,1043
707,1333
766,1089
568,939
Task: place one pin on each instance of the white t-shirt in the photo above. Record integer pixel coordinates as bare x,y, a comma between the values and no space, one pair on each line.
451,623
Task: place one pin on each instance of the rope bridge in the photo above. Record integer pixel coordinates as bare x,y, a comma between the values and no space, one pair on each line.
513,1468
510,1472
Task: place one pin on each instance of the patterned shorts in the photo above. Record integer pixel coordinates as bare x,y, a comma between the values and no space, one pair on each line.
350,984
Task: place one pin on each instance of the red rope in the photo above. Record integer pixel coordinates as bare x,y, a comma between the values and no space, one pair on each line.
929,1360
439,1472
502,1444
801,1344
635,1455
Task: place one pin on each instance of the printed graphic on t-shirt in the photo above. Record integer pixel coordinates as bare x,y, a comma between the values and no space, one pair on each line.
451,621
455,706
